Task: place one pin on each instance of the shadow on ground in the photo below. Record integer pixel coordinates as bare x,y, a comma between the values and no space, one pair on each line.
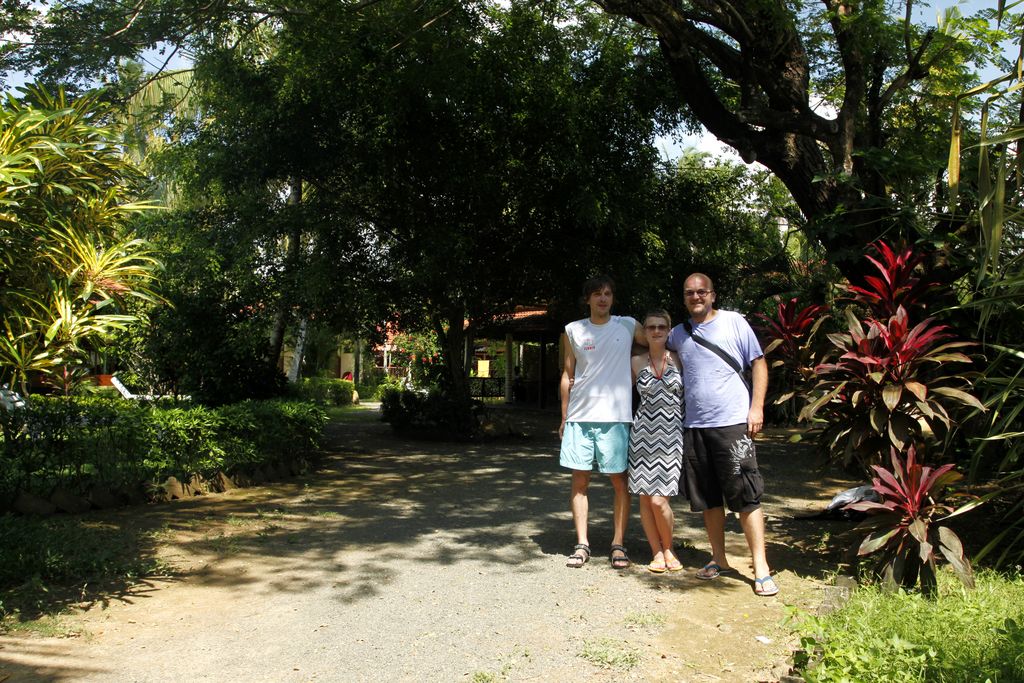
500,502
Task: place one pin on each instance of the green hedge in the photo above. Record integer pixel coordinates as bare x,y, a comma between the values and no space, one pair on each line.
77,443
429,414
325,391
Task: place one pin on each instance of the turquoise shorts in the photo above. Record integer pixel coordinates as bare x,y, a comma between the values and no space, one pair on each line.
605,442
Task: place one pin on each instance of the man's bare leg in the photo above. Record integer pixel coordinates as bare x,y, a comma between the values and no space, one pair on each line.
714,524
620,517
580,507
579,504
753,528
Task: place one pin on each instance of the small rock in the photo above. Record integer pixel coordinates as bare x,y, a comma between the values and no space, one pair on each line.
28,504
224,483
175,489
66,501
104,498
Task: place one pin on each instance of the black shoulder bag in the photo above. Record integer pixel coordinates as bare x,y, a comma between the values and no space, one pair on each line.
718,351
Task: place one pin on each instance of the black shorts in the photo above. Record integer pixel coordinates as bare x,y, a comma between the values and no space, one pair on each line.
720,464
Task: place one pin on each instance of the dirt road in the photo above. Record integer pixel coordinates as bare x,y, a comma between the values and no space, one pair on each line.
412,561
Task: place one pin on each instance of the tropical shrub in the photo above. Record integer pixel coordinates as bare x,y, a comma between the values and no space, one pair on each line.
903,530
890,383
69,263
897,283
793,350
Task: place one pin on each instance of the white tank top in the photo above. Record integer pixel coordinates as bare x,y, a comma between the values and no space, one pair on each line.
603,388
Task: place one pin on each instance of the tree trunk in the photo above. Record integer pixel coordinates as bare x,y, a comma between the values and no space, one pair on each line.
357,366
300,349
291,259
453,352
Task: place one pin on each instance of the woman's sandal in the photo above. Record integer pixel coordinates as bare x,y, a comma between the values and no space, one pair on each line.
657,567
579,557
766,587
675,565
622,561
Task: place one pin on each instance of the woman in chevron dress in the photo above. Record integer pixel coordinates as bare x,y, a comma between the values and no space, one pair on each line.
656,440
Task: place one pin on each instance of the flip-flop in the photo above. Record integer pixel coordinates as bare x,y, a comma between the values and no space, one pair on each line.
580,556
712,570
766,586
677,567
657,568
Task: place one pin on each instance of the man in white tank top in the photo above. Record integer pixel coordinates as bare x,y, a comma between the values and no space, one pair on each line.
596,391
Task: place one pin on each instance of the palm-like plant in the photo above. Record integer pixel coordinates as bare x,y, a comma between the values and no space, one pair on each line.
66,195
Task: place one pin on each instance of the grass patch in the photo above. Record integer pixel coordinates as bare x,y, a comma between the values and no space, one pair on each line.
45,627
46,564
609,653
351,413
644,620
960,636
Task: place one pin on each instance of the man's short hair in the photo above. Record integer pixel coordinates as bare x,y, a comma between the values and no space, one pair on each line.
596,284
711,284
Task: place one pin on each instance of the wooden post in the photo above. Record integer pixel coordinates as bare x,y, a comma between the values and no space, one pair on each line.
509,367
541,382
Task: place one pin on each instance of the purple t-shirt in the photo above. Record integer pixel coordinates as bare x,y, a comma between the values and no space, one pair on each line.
715,394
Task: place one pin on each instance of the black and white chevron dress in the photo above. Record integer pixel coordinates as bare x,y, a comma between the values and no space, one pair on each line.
656,439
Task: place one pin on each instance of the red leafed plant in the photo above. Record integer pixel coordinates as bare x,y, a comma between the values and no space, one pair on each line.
890,382
903,530
897,283
792,351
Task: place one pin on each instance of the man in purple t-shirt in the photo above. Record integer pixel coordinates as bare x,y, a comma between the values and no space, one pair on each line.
722,418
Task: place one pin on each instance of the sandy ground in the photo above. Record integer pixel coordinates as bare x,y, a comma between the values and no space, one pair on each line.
409,561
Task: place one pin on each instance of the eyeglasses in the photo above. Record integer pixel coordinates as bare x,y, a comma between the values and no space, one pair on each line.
656,328
701,293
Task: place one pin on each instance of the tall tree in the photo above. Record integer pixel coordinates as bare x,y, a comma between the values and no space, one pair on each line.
833,97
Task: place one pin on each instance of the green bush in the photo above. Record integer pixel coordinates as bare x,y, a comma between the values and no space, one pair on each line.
963,636
75,443
65,442
430,414
258,431
325,391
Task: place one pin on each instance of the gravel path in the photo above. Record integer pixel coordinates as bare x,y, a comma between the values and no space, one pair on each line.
411,561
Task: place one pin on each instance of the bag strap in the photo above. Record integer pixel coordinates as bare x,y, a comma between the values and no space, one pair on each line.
718,351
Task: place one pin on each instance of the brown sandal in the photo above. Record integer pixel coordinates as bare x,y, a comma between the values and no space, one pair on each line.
621,562
579,557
